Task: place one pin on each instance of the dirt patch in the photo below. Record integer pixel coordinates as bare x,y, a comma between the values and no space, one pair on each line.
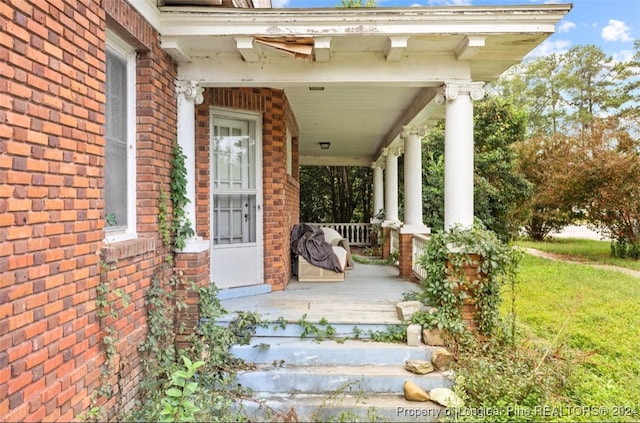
569,259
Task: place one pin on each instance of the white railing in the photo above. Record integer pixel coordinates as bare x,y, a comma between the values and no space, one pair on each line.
358,234
418,245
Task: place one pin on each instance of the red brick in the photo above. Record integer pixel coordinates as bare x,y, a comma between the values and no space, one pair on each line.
19,382
18,414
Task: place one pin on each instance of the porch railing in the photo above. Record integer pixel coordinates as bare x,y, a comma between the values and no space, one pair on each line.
394,240
418,246
358,234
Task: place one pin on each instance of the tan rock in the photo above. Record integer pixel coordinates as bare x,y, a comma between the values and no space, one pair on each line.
446,397
434,337
421,367
414,337
413,392
405,309
442,359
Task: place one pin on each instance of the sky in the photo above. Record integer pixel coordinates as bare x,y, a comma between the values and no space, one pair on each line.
612,25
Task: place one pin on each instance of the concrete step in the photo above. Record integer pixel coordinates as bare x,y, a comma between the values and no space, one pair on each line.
327,379
352,406
298,352
295,330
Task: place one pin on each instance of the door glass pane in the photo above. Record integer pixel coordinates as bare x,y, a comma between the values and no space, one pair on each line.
234,218
234,185
234,162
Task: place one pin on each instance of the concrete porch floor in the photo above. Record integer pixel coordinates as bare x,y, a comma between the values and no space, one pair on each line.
367,296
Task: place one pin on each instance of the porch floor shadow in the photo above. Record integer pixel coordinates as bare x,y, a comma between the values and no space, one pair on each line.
368,295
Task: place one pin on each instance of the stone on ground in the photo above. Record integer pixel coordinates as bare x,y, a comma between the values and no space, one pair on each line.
405,309
421,367
442,359
414,337
446,397
413,392
434,337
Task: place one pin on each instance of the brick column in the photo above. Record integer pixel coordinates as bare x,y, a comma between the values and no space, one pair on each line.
192,268
469,308
386,244
405,256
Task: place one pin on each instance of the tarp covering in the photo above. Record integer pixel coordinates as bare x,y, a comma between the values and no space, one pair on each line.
308,241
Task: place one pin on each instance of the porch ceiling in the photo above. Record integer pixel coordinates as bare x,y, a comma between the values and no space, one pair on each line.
374,69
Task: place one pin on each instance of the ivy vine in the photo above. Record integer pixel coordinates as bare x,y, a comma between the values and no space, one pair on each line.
180,225
447,286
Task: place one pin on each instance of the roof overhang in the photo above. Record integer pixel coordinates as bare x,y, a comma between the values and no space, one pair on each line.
374,70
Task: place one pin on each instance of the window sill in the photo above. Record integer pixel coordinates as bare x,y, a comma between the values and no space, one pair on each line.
125,249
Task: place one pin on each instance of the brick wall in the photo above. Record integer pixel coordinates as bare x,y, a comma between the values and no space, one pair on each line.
281,208
52,203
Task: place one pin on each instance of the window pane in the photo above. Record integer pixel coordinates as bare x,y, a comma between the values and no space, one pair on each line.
116,141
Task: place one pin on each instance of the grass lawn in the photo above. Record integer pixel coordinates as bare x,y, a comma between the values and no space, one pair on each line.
595,315
582,249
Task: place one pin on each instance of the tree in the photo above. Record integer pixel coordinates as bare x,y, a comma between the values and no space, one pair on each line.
498,187
593,85
600,178
535,86
335,194
358,3
543,211
572,101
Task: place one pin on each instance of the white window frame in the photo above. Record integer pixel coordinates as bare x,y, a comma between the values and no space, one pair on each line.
117,46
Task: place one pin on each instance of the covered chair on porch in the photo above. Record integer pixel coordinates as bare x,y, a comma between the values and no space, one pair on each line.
319,259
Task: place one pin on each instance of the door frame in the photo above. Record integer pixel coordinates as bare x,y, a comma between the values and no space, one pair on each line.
255,122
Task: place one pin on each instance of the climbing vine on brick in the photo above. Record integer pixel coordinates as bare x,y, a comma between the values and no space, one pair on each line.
447,286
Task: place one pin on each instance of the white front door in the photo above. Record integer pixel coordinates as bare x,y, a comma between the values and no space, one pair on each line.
236,188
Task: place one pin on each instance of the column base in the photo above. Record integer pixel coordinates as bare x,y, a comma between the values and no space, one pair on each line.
415,229
195,244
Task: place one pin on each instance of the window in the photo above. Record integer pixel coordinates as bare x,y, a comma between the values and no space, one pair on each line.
120,149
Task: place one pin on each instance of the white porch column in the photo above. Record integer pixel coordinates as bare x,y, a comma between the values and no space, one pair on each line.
412,137
458,150
391,186
188,95
378,189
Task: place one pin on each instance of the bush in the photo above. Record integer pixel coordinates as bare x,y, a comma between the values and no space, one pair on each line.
446,285
508,378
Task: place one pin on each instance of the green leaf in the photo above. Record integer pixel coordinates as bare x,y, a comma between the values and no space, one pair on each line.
174,392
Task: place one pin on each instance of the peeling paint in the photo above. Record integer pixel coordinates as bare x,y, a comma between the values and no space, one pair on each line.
362,29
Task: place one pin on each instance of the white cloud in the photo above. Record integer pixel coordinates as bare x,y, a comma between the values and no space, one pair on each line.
566,26
279,3
449,2
615,31
549,47
622,56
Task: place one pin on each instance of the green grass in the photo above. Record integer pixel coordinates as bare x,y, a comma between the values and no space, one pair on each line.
593,316
582,250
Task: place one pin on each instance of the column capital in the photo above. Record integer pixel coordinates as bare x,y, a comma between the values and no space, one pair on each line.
191,91
420,131
392,151
451,90
377,164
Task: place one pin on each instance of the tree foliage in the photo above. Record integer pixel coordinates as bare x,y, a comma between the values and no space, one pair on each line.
498,187
335,194
542,212
583,128
599,177
358,3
